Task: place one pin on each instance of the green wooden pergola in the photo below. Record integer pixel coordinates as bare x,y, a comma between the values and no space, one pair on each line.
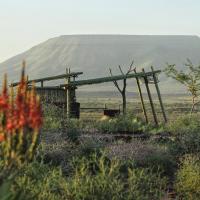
68,89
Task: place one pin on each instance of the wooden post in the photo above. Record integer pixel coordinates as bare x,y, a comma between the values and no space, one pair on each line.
159,95
42,84
73,102
68,94
74,78
141,98
150,98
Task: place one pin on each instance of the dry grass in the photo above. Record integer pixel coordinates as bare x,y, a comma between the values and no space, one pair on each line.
135,150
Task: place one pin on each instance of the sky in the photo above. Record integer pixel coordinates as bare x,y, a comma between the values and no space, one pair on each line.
26,23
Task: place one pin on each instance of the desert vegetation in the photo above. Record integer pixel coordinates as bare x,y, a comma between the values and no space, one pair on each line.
44,155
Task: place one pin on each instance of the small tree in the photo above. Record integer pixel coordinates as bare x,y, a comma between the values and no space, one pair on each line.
123,90
190,79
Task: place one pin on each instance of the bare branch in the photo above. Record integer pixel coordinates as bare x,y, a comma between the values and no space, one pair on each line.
131,68
117,86
123,90
115,82
121,70
110,72
124,87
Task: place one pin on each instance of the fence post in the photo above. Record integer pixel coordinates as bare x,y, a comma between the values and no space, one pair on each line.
159,95
141,98
150,98
68,92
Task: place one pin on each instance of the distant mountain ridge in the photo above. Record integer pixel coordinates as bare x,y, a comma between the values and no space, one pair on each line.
95,54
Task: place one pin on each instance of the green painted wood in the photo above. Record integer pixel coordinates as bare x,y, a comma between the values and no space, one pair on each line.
109,79
141,98
48,88
159,96
50,78
150,98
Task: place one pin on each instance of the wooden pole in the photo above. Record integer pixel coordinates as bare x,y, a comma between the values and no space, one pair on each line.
109,79
159,95
42,84
68,94
141,98
150,98
50,78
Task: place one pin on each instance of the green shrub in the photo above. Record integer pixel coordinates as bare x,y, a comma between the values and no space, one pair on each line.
39,181
73,135
94,179
160,160
186,132
7,194
70,129
90,146
144,155
186,144
99,178
51,123
145,184
53,117
121,124
188,178
184,125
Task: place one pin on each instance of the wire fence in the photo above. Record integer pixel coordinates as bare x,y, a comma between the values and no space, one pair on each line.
95,111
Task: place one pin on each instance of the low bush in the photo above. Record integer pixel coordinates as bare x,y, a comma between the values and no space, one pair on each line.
144,155
7,194
184,125
187,182
121,124
160,160
72,135
53,116
145,184
100,178
39,181
95,178
90,146
186,144
186,133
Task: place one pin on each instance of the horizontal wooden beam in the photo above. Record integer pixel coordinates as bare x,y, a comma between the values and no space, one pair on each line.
49,88
109,79
86,108
50,78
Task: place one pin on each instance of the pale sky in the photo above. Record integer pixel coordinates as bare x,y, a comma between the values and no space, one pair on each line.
25,23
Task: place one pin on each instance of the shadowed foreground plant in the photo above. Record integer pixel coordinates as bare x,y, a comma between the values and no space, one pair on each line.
20,122
188,178
99,178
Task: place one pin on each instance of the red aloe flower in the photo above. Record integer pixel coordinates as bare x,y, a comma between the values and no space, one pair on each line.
3,103
25,111
2,138
21,119
10,125
35,114
4,96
